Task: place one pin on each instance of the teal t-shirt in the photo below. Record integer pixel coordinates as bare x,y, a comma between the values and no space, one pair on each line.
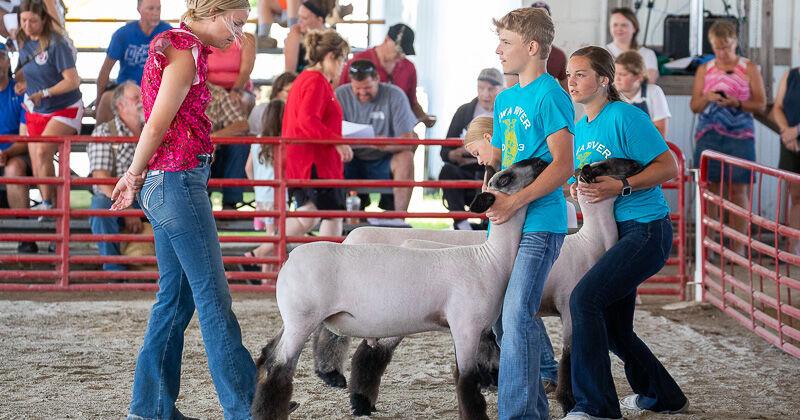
623,131
523,118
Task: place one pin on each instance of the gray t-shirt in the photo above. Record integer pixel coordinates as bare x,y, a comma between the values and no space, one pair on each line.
389,114
43,71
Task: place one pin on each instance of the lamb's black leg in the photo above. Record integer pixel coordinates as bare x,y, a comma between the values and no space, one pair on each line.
564,394
488,359
273,394
330,351
272,399
366,371
471,404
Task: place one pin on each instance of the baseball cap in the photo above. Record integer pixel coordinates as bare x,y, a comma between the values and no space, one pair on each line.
542,5
403,36
492,76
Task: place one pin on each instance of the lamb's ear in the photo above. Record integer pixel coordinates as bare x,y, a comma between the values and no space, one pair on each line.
482,202
586,174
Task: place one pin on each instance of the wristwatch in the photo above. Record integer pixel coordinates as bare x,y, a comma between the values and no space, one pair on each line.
626,188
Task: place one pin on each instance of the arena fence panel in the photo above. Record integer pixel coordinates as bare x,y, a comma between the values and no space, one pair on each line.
68,269
750,275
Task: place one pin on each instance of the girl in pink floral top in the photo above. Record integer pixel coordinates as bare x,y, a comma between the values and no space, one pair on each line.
170,173
189,133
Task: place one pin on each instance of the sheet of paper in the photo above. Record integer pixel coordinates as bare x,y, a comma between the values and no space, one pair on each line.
679,64
353,130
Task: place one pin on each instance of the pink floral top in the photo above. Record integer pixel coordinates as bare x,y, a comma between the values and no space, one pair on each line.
189,134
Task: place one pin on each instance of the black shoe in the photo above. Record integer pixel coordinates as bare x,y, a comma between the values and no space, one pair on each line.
27,248
51,248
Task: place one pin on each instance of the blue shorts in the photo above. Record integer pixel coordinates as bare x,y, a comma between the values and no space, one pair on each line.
369,169
740,148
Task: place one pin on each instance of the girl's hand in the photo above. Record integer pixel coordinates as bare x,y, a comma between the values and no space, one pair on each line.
789,138
605,187
125,191
345,151
20,87
36,98
122,196
503,208
573,190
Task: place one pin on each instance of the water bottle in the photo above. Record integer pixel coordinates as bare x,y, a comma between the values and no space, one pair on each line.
353,203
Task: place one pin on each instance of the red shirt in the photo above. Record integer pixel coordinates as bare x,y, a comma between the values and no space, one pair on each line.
403,76
189,134
312,111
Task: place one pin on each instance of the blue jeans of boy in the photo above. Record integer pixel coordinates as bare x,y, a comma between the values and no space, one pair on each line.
520,394
190,276
602,307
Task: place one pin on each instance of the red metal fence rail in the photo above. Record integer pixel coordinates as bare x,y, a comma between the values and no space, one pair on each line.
65,277
756,289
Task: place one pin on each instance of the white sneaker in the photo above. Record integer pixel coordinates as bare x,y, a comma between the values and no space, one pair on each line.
43,206
631,403
579,415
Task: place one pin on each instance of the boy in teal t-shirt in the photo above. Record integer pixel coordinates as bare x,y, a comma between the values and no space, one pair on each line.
531,119
523,119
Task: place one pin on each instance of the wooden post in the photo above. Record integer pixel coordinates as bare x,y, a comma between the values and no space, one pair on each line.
767,54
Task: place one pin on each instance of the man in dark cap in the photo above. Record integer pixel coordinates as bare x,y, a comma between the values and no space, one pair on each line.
393,66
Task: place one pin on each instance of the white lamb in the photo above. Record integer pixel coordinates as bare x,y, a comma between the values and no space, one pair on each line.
579,253
379,291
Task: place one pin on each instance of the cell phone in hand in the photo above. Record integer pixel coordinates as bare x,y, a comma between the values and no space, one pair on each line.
721,93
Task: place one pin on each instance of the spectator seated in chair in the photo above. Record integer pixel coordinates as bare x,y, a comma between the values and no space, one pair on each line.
112,160
228,119
459,165
14,158
365,100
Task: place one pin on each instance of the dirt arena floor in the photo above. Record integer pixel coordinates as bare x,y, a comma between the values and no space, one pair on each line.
72,356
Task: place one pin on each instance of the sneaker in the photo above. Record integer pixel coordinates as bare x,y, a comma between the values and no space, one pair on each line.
579,415
27,248
631,403
44,205
265,43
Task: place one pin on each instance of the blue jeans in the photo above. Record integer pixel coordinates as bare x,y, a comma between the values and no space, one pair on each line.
602,307
520,394
106,226
190,276
548,366
548,369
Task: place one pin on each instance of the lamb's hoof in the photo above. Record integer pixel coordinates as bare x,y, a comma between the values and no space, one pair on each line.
333,378
361,405
488,380
293,406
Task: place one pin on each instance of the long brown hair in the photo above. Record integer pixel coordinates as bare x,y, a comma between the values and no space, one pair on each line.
280,83
50,27
631,16
603,64
271,125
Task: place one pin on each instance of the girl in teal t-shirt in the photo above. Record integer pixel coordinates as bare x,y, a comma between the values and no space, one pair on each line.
602,304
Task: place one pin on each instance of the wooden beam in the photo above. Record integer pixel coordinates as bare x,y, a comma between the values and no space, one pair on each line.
767,50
